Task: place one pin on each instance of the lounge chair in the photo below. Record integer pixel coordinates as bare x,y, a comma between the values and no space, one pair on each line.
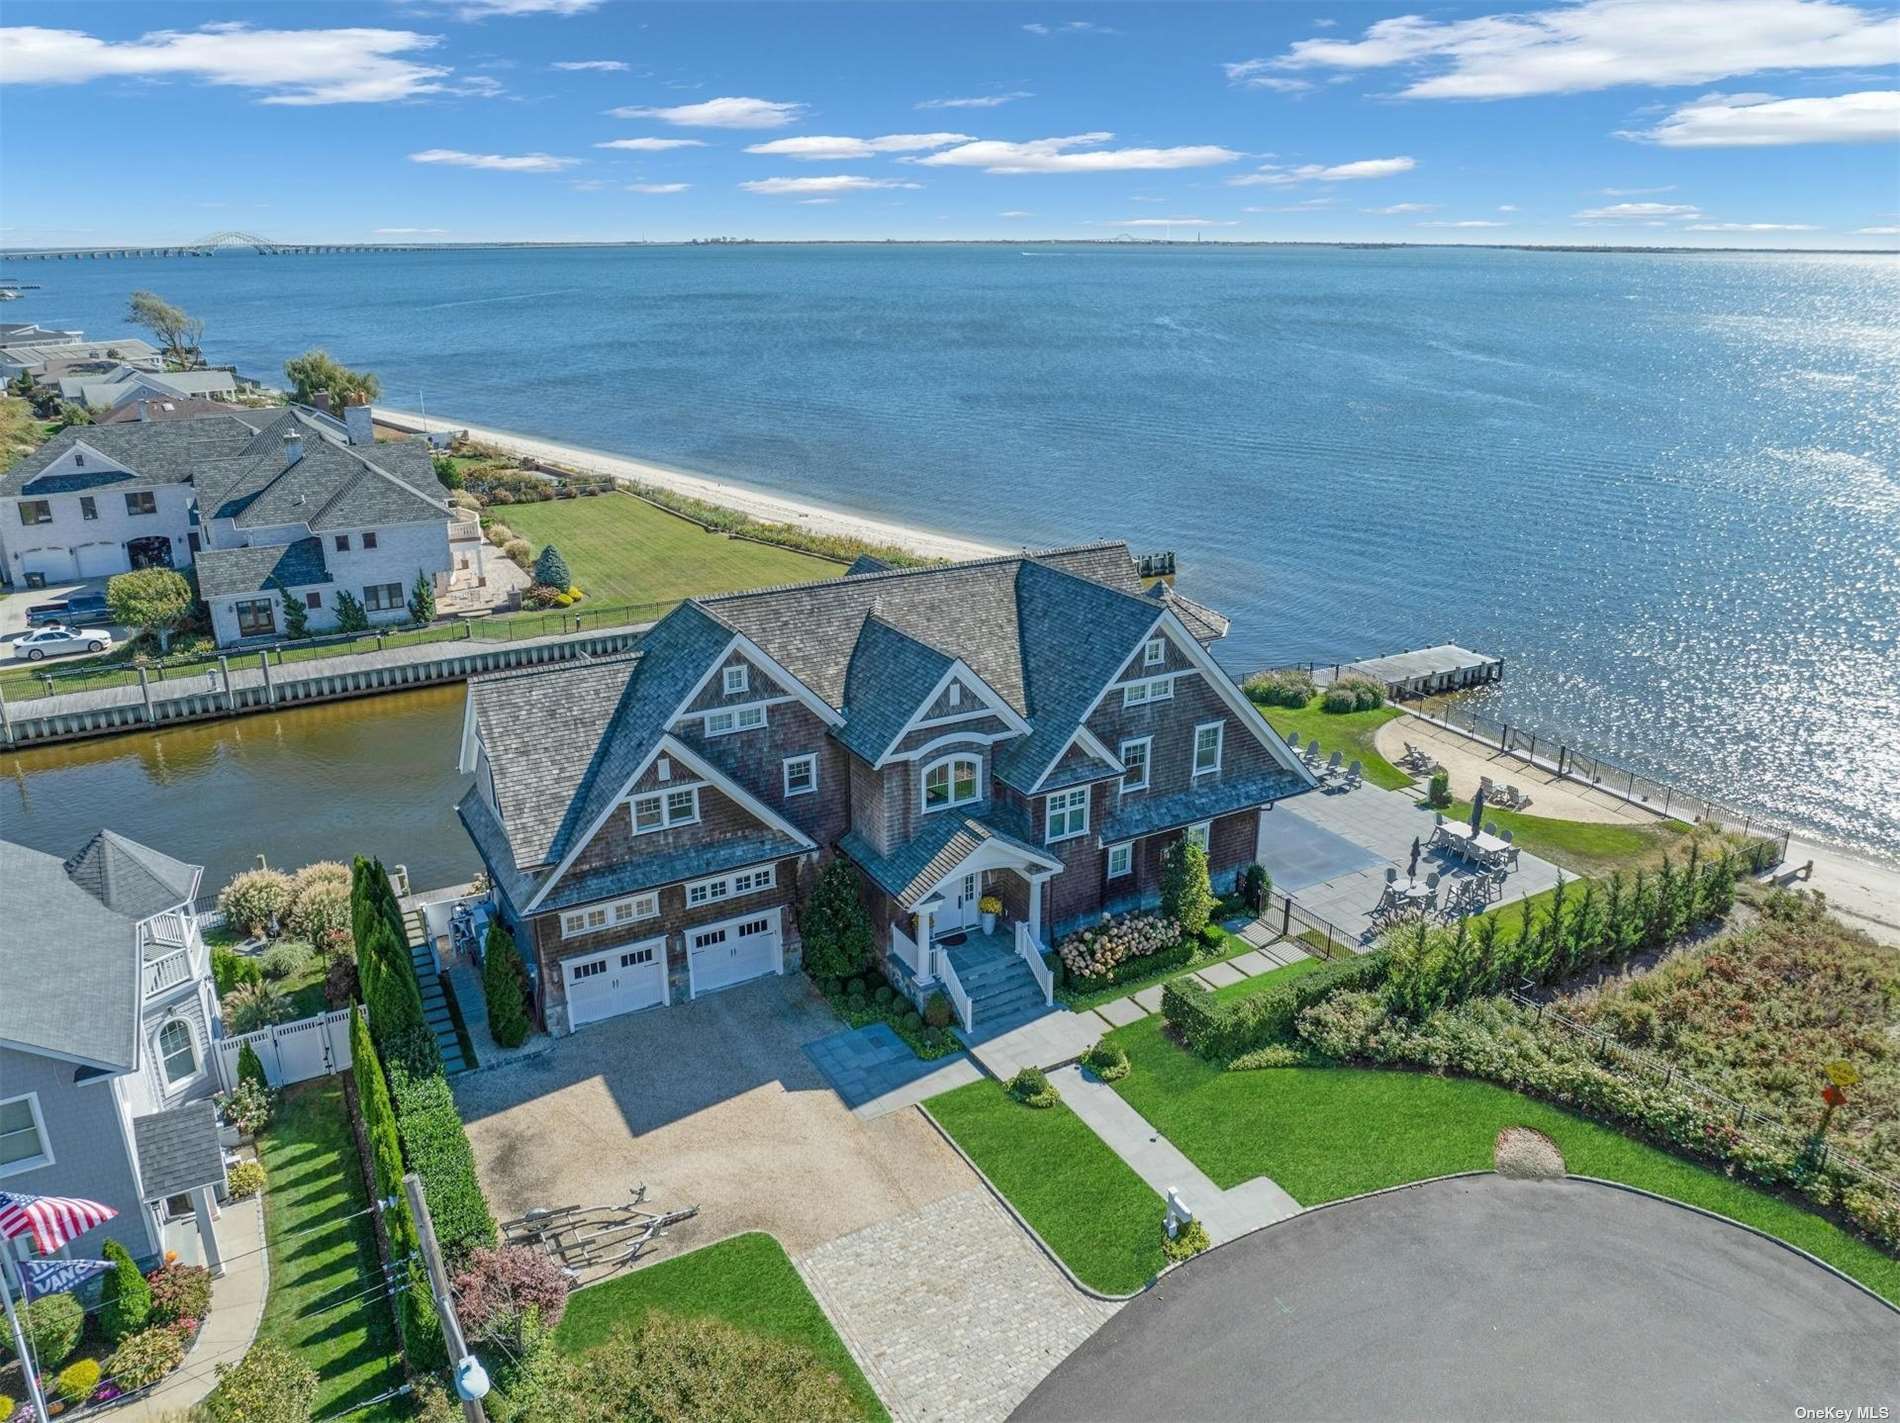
1354,775
1293,742
1334,763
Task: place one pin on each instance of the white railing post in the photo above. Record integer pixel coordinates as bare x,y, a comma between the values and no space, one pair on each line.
954,987
1031,952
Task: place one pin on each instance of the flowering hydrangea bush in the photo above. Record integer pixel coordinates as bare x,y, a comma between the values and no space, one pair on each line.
1099,951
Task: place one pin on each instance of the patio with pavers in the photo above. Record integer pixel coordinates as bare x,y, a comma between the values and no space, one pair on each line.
874,1071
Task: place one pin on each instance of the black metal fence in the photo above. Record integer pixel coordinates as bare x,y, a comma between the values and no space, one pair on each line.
1323,938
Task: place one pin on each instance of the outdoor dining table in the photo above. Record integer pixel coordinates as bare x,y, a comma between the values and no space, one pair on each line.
1487,844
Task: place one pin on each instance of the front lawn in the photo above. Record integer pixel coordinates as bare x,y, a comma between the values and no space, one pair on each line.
1272,978
623,550
323,1254
747,1281
1082,1198
1349,733
1324,1133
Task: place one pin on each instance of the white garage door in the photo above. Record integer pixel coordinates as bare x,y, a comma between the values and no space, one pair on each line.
103,560
618,981
56,563
724,954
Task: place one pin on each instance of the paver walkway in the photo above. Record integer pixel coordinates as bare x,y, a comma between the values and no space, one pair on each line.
1160,1163
1055,1037
952,1311
871,1066
1268,953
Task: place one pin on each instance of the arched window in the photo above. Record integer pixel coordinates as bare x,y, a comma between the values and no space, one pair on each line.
955,780
177,1050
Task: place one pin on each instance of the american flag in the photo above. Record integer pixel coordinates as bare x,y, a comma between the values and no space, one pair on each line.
54,1220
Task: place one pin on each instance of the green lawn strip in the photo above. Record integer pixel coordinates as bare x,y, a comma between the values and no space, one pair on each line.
1349,733
1325,1133
1272,978
1082,1198
322,1253
1582,846
623,550
1234,947
746,1281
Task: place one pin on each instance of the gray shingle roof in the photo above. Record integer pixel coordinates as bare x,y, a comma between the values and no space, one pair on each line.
890,674
156,452
689,862
912,870
178,1150
491,843
1205,623
864,563
227,572
130,878
1138,816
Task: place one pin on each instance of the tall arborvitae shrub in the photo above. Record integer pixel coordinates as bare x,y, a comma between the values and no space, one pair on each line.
501,984
835,929
125,1300
1186,896
251,1067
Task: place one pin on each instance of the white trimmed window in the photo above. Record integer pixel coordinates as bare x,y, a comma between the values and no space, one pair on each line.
177,1051
801,775
665,810
1155,652
1198,834
1068,815
23,1143
1121,860
955,692
1208,737
746,718
955,780
711,891
734,680
1154,689
1134,758
596,917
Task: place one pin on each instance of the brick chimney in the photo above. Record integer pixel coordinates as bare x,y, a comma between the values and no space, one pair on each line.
321,401
361,423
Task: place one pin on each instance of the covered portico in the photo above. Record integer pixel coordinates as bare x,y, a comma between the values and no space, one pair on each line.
182,1176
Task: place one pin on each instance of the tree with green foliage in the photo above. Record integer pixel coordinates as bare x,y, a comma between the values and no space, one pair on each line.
69,413
447,473
270,1384
53,1326
350,613
296,618
317,371
180,336
422,599
550,569
153,600
834,926
1186,896
125,1300
502,986
251,1067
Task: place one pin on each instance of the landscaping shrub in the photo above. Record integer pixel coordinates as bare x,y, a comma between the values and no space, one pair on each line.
1092,955
251,1006
145,1358
125,1300
834,926
1032,1088
341,984
230,970
831,987
539,595
1367,695
1255,885
1276,1055
247,1108
1224,1030
496,1289
499,534
666,1368
1106,1061
1338,699
1213,936
53,1328
389,986
913,1022
179,1292
255,899
1289,687
518,552
270,1384
319,901
75,1383
286,960
551,569
436,1146
251,1067
1187,1242
938,1011
351,615
7,1406
882,994
245,1180
1186,896
1438,795
504,986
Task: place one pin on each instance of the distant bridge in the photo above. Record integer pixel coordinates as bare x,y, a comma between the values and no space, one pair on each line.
210,246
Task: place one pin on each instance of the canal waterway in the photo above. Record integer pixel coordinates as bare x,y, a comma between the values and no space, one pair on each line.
375,776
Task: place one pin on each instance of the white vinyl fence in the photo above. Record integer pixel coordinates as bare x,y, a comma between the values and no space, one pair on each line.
292,1052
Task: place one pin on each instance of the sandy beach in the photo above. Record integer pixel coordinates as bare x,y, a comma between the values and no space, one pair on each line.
768,508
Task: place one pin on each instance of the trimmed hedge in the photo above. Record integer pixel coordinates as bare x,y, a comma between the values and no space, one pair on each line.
1222,1030
1145,966
437,1149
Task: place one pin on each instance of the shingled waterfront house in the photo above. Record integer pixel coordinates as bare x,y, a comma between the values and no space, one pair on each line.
1037,727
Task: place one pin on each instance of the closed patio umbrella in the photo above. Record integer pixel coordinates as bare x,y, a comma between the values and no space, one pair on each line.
1413,871
1477,811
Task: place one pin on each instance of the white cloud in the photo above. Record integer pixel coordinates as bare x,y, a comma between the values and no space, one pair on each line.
1467,222
1277,175
1057,155
836,183
719,113
1071,27
1751,227
1018,212
1507,207
496,162
410,231
981,101
1170,222
651,145
1763,121
817,149
603,66
485,9
1600,44
1397,208
1254,74
1632,212
1877,231
657,188
297,67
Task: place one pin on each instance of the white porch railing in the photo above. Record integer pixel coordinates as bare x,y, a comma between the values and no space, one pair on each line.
465,532
171,927
168,972
906,949
1031,952
948,973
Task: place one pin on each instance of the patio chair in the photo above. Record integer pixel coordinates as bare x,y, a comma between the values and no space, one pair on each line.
1334,763
1490,827
1507,837
1490,791
1354,775
1523,803
1391,876
1293,742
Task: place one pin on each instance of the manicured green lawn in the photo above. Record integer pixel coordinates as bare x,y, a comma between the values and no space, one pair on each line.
623,550
1094,1211
1349,733
322,1253
1082,1002
1324,1133
746,1281
1583,846
1272,978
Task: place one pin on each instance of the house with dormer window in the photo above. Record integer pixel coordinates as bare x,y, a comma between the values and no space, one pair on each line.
1036,729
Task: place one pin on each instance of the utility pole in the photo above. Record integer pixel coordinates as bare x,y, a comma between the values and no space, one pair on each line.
29,1365
471,1380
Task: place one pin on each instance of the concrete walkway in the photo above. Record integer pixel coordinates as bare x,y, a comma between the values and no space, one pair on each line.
1159,1162
237,1307
1268,953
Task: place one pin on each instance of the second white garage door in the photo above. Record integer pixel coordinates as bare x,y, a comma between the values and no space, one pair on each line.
724,954
102,560
618,981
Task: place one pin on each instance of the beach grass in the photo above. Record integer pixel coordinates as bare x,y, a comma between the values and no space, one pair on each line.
621,549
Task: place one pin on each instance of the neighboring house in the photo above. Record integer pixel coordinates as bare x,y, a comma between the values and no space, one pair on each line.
166,408
108,1030
37,356
270,505
117,384
1037,727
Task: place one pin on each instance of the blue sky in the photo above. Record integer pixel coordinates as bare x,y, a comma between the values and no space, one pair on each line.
1694,122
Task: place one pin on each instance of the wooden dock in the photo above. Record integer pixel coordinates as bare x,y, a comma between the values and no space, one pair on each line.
1418,672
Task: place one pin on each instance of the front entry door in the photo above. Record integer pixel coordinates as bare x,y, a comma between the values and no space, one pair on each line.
962,909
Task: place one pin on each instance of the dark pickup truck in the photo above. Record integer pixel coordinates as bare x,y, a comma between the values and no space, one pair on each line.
80,608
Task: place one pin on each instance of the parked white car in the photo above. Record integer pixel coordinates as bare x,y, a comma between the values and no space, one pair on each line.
56,641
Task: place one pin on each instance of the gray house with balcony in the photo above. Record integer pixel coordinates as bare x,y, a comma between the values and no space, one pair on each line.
108,1032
